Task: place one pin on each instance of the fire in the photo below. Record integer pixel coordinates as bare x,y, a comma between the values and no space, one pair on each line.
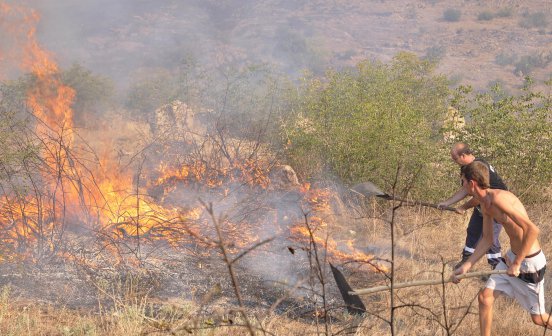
317,200
249,173
95,192
49,99
98,194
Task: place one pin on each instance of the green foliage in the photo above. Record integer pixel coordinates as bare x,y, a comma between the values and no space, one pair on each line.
361,124
513,132
526,64
245,103
505,58
504,12
435,53
346,55
485,16
298,51
534,20
452,15
152,91
13,94
14,142
17,151
93,92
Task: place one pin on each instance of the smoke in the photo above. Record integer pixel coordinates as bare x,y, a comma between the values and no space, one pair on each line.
127,38
120,38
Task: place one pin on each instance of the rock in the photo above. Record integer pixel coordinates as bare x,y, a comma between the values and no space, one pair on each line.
283,177
173,121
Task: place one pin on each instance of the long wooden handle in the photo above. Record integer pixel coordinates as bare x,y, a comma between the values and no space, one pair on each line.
431,205
422,282
407,202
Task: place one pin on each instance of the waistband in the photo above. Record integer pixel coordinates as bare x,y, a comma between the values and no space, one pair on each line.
532,254
533,267
529,255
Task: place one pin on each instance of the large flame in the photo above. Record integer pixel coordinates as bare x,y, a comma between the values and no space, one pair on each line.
96,191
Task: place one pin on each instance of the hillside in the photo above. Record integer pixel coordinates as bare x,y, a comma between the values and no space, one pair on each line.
475,42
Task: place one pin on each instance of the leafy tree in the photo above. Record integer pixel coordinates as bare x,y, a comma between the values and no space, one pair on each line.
504,12
527,63
360,124
534,20
485,16
514,132
93,92
151,91
14,141
435,53
452,15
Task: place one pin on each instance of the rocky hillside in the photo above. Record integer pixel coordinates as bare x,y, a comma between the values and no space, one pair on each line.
475,42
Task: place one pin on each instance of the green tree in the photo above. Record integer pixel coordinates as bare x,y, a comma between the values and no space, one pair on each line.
514,132
93,92
452,15
15,141
360,124
151,91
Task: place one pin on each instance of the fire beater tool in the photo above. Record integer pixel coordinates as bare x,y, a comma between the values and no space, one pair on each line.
368,189
429,282
352,301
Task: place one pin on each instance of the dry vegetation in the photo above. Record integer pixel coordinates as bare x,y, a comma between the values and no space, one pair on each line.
140,255
425,239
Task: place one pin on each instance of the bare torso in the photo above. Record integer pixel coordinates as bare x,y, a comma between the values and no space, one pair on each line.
517,213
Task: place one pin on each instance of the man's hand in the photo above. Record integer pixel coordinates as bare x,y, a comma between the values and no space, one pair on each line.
513,267
459,271
460,210
442,205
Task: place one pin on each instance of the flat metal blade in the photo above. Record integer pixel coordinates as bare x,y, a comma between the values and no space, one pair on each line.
353,302
368,189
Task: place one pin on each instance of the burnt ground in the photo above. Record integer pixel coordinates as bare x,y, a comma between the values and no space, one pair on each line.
200,277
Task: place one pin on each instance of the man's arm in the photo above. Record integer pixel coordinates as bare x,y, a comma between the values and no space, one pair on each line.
473,202
482,246
458,196
530,231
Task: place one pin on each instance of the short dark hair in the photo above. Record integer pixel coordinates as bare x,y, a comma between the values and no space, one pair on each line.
477,171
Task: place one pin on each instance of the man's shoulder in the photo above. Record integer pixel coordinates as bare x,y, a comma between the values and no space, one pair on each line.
500,196
482,161
496,180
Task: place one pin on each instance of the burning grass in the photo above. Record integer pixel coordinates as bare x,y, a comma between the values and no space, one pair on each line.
127,243
200,300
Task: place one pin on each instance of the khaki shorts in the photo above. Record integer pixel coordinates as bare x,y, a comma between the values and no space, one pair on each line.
530,296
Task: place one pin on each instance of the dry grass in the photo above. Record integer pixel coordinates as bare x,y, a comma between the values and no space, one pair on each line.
425,240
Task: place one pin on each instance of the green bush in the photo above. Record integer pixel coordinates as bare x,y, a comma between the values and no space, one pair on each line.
504,12
452,15
485,16
513,132
528,63
534,20
93,92
15,141
361,124
151,91
505,58
435,53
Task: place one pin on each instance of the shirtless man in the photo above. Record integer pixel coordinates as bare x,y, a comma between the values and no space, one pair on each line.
525,263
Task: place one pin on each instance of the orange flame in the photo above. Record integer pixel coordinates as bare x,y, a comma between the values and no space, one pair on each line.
317,231
109,197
